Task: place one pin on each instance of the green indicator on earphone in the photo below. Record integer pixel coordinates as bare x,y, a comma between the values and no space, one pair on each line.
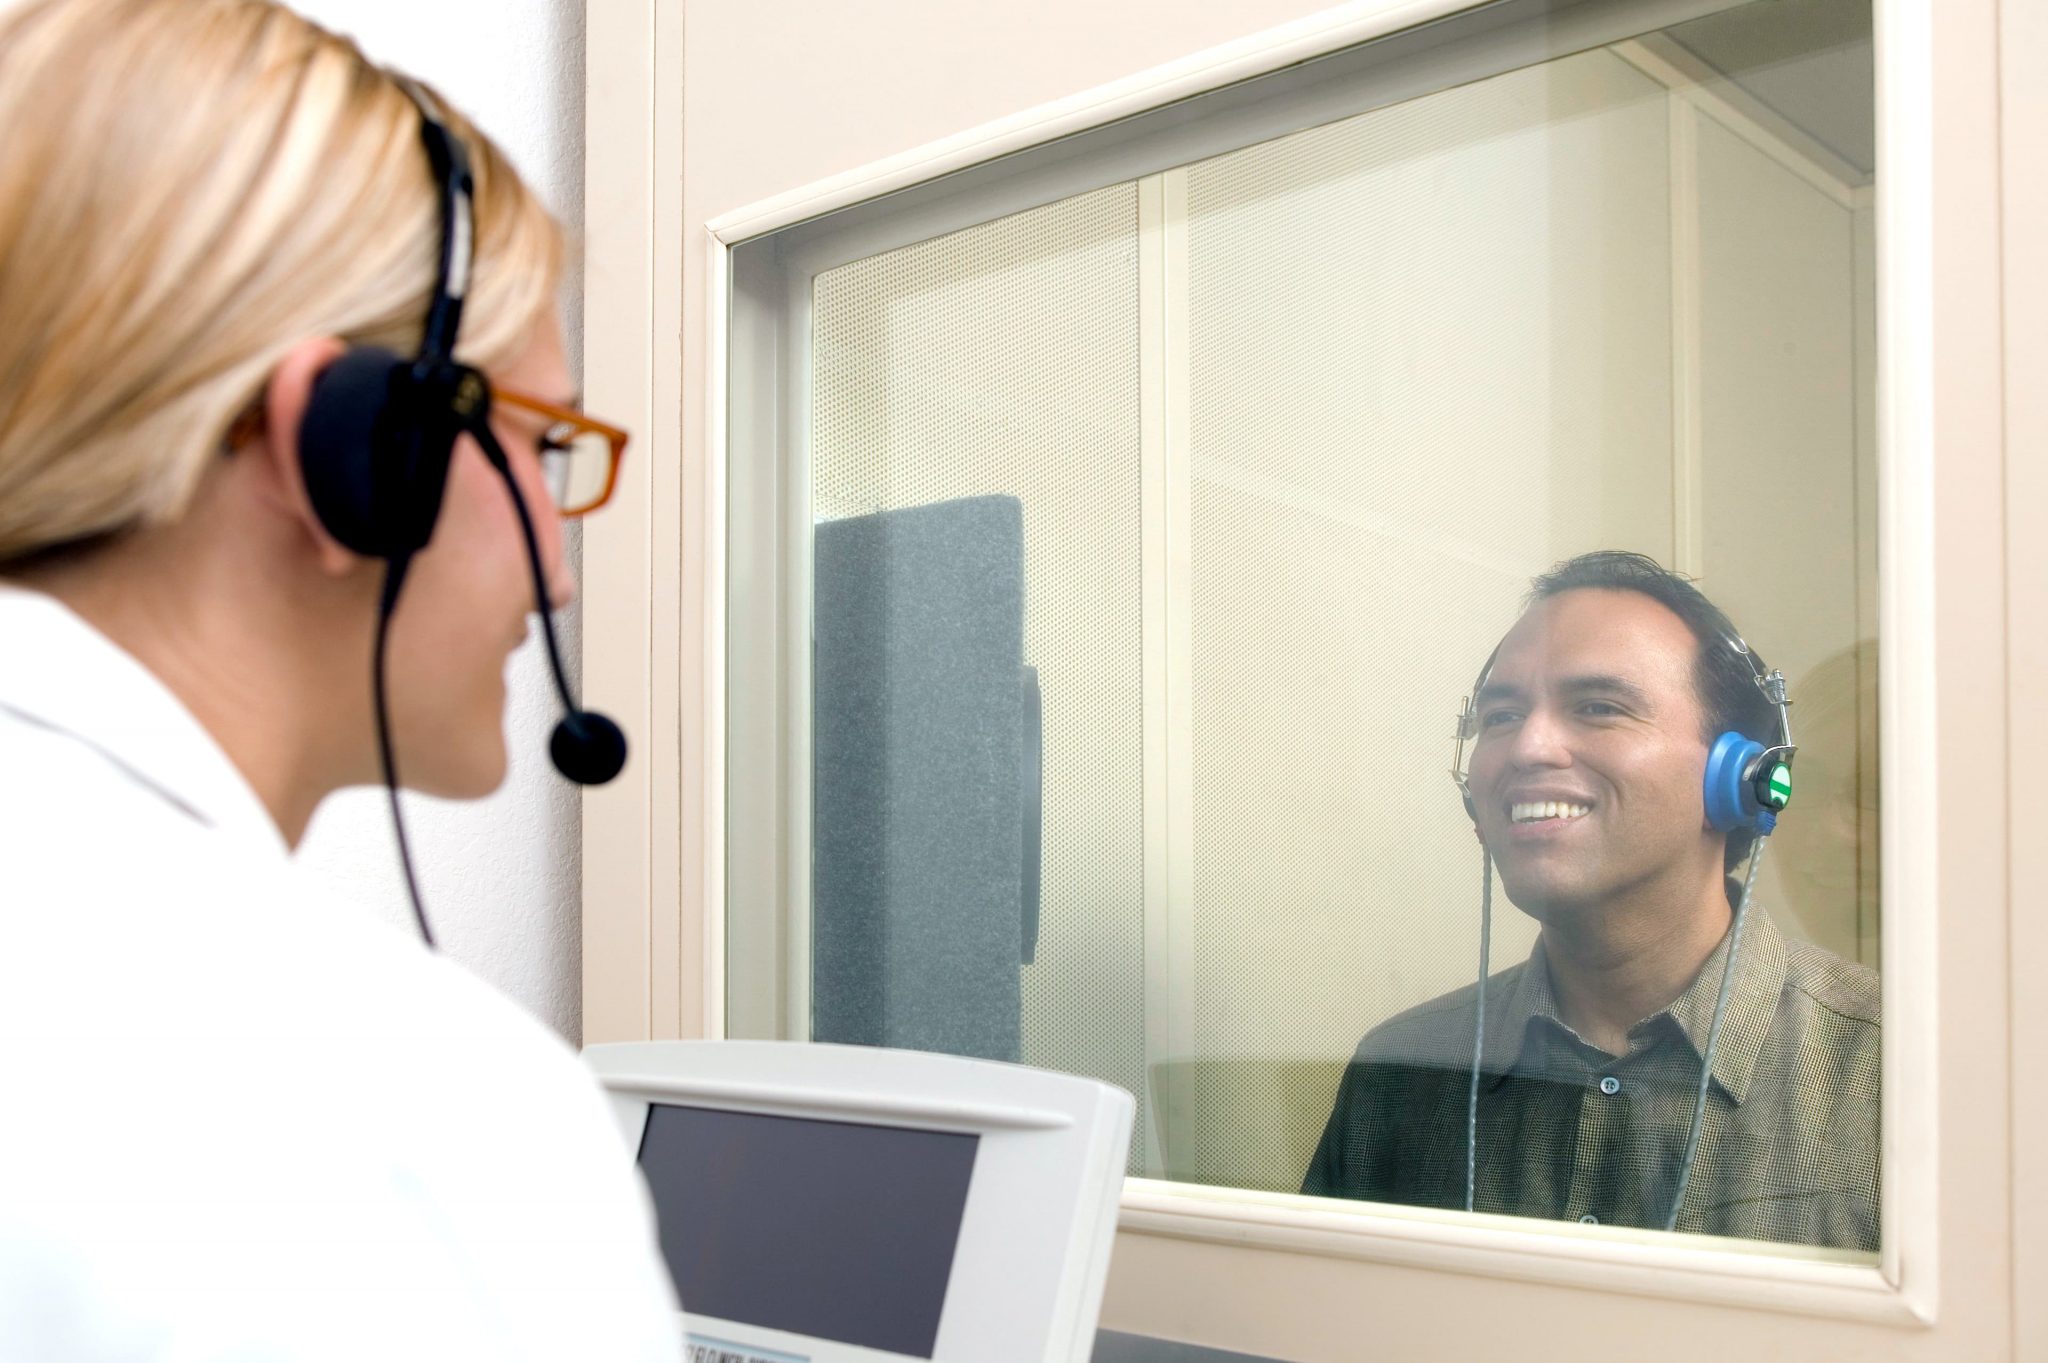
1781,785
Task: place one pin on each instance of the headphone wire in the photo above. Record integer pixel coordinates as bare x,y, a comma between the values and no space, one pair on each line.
1478,1021
394,578
1699,1106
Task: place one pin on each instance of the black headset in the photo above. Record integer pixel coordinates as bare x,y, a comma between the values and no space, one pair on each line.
375,445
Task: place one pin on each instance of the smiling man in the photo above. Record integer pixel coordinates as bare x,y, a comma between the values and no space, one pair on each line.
1594,719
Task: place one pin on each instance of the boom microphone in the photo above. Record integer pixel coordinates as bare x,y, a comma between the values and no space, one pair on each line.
587,747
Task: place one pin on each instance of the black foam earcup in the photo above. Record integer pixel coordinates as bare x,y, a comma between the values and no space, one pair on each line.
588,748
374,445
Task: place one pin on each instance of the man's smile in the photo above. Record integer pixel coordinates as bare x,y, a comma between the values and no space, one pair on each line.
1537,811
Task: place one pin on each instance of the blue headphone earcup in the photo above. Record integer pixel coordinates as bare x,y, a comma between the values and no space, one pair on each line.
1731,803
374,445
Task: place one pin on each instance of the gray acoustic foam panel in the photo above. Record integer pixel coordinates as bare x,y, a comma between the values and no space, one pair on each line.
919,753
1004,359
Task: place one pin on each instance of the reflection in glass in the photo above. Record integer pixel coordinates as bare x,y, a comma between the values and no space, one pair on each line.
1280,440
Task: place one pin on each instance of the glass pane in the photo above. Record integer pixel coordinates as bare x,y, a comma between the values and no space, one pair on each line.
578,467
1161,530
976,412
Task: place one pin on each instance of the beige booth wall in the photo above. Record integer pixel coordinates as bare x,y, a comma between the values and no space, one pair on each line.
735,101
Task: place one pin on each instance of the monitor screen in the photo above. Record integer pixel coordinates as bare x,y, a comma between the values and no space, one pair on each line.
834,1230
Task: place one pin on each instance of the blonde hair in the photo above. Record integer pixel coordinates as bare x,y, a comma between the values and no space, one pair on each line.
188,188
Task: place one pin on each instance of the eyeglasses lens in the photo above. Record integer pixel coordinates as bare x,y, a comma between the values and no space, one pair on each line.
578,467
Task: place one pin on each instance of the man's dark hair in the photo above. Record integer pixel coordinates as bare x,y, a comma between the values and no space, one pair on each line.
1721,677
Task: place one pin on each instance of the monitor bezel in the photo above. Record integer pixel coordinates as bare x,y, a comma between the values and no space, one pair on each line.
1040,1218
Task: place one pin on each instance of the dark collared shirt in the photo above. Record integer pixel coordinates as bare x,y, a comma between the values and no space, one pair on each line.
1789,1149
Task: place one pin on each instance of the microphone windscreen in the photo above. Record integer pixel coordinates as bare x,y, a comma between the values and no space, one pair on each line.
588,748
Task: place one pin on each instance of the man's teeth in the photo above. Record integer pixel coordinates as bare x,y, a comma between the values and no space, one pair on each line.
1546,809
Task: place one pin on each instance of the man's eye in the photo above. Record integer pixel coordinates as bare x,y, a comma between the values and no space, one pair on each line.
1493,719
1600,709
554,440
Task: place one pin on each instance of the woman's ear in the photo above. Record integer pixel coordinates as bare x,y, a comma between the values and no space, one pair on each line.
285,400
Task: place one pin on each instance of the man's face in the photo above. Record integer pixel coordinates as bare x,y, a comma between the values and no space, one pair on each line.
1587,766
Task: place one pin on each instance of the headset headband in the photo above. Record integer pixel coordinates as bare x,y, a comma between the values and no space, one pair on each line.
450,163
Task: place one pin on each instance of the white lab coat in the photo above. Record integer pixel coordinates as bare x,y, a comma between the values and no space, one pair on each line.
240,1122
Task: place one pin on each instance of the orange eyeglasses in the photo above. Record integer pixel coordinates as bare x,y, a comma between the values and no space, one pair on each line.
579,454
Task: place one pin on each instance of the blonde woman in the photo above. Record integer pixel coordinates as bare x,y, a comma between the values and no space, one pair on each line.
240,1122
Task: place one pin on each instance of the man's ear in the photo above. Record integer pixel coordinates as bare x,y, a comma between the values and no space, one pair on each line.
285,400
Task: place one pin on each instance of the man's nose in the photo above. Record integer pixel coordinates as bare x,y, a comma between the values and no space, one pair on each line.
1540,741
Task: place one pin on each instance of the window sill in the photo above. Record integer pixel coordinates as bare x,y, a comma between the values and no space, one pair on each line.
1796,1279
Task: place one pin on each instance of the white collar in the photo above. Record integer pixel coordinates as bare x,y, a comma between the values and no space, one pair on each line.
61,674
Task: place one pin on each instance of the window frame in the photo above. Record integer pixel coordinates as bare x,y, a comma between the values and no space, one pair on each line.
1939,328
767,436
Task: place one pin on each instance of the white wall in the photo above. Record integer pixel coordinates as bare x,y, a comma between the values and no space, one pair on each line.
501,877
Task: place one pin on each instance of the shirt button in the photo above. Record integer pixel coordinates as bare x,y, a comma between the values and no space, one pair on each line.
1610,1086
1589,1220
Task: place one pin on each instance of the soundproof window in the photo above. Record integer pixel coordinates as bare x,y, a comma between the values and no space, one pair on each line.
1365,638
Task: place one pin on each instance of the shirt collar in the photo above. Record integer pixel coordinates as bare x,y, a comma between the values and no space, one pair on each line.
1760,969
61,674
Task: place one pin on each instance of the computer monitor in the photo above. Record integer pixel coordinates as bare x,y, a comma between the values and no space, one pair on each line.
826,1204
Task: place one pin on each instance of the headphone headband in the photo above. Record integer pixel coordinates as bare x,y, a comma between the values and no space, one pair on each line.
449,160
375,444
